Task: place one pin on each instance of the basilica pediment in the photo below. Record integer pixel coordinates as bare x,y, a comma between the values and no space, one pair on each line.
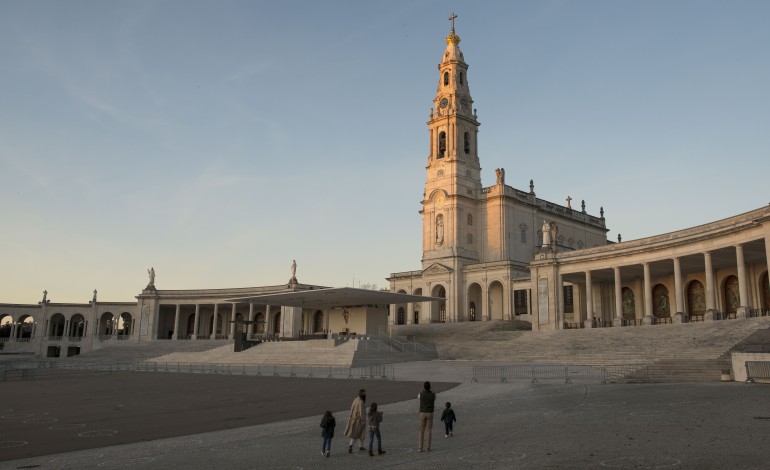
437,268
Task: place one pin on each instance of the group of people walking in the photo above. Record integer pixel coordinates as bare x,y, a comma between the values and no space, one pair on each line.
361,420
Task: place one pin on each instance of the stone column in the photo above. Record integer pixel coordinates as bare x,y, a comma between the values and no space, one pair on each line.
407,314
115,321
268,321
13,330
214,322
232,322
64,333
647,320
589,321
393,317
679,316
711,312
250,329
618,321
176,323
744,311
197,316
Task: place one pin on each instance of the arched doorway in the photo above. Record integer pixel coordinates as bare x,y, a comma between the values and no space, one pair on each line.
318,322
417,307
191,325
260,327
629,304
765,290
496,304
56,329
25,328
661,306
6,326
105,325
77,327
474,302
277,324
696,299
239,325
125,324
731,295
439,306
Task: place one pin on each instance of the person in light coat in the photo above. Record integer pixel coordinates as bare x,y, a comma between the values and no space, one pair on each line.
356,427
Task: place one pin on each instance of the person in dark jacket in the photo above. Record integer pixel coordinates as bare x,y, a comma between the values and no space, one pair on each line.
448,417
427,400
327,424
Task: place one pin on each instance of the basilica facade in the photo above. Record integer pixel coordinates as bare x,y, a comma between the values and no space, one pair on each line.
498,253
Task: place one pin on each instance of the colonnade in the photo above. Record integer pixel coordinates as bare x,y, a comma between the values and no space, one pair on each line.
680,315
196,333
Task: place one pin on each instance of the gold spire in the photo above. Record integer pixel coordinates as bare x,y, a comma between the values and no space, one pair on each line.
452,39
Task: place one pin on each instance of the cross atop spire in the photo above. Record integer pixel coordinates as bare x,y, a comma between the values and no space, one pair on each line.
452,39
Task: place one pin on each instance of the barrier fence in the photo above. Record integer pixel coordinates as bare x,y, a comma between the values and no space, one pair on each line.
567,373
759,370
28,370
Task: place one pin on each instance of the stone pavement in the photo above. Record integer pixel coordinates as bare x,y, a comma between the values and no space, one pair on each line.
513,425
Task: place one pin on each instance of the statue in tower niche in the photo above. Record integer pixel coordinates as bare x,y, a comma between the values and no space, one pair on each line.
439,230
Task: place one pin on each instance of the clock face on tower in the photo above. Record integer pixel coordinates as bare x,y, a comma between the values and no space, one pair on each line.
444,102
440,200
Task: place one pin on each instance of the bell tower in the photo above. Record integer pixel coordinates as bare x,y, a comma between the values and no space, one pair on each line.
450,212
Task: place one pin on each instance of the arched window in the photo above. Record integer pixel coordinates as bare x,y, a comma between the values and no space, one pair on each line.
467,143
401,315
446,78
441,144
470,219
461,78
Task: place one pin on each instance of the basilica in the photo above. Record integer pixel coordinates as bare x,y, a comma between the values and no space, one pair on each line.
498,253
490,253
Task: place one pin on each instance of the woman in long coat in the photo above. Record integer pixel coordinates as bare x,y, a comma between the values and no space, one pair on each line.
356,427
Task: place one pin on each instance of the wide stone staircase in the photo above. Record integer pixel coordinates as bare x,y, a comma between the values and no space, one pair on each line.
681,352
124,351
313,352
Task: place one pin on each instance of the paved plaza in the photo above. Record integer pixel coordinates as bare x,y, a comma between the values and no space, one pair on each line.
181,421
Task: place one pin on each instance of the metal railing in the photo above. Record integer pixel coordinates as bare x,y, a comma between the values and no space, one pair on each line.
50,368
567,373
757,370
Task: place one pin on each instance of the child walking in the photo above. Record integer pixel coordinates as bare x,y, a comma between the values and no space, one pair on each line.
374,418
327,423
448,417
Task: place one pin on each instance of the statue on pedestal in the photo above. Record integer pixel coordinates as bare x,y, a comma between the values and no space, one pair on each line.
151,273
546,234
293,279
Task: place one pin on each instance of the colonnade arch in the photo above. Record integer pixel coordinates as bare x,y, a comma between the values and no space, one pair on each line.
474,302
730,295
438,307
496,301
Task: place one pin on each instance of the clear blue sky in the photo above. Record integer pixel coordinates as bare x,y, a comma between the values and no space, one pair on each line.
219,140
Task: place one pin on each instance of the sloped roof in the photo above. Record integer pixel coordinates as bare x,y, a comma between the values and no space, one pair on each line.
333,297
